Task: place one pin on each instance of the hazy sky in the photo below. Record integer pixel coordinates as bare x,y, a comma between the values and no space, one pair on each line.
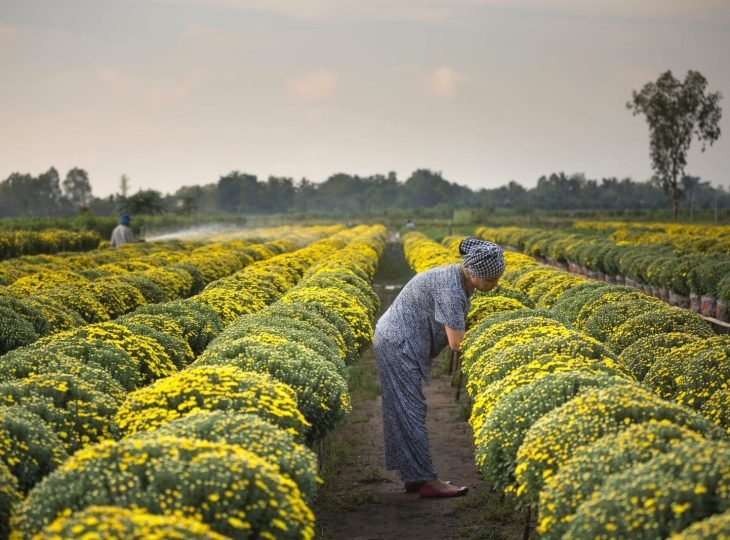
180,92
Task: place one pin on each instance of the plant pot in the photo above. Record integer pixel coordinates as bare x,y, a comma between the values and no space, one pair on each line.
679,300
694,301
707,305
664,294
620,279
721,313
572,267
592,274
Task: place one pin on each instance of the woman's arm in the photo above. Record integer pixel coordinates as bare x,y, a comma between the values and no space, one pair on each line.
455,338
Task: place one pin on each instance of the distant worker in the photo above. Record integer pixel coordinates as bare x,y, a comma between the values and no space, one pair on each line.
122,234
410,225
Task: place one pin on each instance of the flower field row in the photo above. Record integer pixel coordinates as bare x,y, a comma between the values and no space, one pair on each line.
561,422
700,238
273,379
17,243
59,296
686,278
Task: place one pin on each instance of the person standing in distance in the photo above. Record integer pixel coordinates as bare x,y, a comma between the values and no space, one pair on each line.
122,233
428,314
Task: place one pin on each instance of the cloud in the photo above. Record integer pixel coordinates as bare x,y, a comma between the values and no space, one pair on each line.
152,93
429,11
317,86
444,82
8,32
211,35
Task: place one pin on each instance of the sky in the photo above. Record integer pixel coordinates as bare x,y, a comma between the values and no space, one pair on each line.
180,92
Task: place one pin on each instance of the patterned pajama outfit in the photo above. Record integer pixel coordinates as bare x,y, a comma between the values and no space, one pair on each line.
408,335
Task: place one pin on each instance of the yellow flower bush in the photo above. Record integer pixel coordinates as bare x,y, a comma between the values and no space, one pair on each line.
17,243
115,523
9,498
592,465
553,439
641,355
659,497
153,360
76,411
486,397
483,306
503,431
422,253
233,491
253,433
211,389
321,391
28,446
25,362
715,526
659,321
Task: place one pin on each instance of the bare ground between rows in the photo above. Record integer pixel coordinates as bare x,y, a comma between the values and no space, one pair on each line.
362,501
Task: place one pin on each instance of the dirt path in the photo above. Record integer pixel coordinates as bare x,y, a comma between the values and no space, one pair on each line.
360,500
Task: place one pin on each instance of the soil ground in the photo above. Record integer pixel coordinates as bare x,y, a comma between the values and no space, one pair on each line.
360,500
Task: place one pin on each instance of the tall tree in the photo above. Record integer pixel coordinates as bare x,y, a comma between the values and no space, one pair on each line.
677,111
148,202
77,188
124,186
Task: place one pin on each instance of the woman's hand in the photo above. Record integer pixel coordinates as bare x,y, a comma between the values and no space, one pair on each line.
455,338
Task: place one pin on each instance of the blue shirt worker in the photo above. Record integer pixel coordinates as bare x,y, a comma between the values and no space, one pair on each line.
428,314
122,233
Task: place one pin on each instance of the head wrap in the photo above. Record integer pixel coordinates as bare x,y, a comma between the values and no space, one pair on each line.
125,219
481,258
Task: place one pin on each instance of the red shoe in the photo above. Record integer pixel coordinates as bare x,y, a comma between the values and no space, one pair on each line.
428,490
413,487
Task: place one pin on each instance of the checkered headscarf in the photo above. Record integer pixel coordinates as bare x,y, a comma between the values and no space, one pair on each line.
481,258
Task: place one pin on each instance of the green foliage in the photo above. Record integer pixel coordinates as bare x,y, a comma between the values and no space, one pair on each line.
76,411
504,430
592,465
605,319
31,361
152,293
313,319
662,496
118,297
322,393
568,305
123,368
114,523
659,321
255,435
555,438
200,324
704,278
235,492
10,497
676,111
28,446
715,526
334,318
176,348
15,331
641,355
211,389
28,312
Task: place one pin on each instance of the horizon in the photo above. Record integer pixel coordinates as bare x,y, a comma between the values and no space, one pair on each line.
181,92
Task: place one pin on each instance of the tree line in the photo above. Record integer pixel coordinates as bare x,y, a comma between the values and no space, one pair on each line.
235,193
